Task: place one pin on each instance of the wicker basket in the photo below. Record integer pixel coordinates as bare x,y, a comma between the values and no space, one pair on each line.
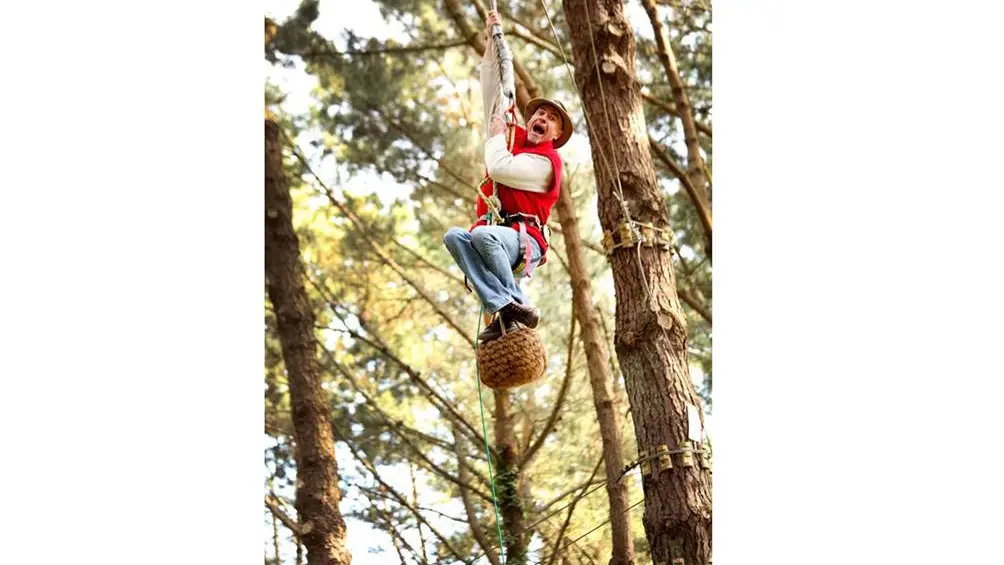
515,359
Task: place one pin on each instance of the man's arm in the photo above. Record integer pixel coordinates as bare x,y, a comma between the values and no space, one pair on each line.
525,171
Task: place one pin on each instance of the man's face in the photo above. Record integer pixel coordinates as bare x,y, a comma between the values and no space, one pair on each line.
544,125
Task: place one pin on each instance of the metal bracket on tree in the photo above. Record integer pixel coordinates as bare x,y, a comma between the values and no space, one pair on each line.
663,461
630,232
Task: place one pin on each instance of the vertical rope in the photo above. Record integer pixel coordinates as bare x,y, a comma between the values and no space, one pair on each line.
488,453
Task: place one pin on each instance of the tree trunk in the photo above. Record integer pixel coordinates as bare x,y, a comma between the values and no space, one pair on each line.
601,380
651,334
317,493
507,483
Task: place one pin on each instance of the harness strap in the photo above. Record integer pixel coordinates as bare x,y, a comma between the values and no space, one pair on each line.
527,264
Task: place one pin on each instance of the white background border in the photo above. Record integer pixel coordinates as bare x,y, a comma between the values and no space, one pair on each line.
857,282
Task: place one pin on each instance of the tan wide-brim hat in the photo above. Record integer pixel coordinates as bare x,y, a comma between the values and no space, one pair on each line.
566,126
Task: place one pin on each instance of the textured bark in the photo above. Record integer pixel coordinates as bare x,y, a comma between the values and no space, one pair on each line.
317,493
508,484
601,380
651,335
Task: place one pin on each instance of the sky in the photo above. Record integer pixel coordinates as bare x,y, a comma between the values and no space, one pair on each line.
365,20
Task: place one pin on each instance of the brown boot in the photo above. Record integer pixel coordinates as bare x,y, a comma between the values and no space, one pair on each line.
494,330
526,315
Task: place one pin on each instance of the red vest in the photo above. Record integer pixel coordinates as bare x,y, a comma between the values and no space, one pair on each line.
526,202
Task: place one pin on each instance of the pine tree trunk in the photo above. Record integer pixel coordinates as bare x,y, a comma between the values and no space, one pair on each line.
651,334
317,493
507,482
601,380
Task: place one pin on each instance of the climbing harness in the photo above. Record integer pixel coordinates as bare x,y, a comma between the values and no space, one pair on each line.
521,219
507,100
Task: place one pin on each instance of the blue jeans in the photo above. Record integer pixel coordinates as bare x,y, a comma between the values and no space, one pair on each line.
487,256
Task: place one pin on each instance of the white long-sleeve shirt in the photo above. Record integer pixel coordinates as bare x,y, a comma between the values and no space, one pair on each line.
525,171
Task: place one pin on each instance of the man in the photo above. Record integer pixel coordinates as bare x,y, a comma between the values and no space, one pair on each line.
526,180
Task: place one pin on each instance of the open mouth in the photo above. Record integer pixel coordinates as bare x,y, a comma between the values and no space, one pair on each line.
538,128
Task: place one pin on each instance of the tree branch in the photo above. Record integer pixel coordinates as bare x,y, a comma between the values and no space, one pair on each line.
445,406
695,163
273,506
426,151
389,50
571,510
532,39
559,403
569,491
392,426
692,301
396,535
477,41
696,197
593,246
376,494
397,496
441,403
428,263
670,109
381,253
414,501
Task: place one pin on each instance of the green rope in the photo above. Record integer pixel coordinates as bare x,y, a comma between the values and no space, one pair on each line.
484,430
